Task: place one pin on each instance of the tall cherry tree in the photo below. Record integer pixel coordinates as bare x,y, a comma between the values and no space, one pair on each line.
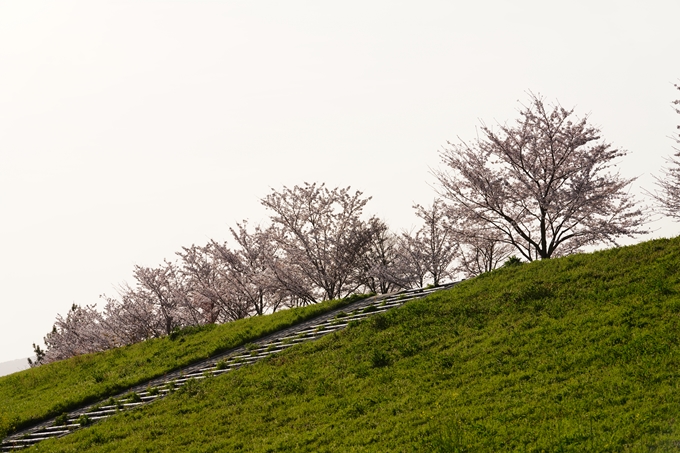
320,237
209,292
546,184
247,269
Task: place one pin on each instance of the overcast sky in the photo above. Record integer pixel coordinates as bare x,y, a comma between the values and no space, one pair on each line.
131,128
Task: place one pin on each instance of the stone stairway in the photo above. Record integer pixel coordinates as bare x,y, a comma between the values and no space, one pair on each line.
216,365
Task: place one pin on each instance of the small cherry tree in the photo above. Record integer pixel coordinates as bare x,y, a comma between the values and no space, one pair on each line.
480,248
380,268
435,241
667,196
80,332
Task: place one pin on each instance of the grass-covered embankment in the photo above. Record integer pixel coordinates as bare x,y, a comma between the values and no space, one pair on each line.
35,394
572,354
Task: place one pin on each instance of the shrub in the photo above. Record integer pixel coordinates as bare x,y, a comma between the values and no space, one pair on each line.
379,322
512,261
251,346
83,420
61,419
133,397
356,297
380,359
221,365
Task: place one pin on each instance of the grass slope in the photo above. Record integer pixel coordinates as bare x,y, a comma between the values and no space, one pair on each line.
573,354
35,394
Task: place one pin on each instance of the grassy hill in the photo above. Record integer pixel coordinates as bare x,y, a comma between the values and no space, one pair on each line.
573,354
39,393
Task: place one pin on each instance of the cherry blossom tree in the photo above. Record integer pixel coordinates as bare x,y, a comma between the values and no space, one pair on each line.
667,196
410,270
545,184
433,248
163,289
426,253
80,332
159,302
321,239
208,292
247,270
129,319
381,264
480,248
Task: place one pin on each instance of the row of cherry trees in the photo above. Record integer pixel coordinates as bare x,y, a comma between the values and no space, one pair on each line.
316,246
543,187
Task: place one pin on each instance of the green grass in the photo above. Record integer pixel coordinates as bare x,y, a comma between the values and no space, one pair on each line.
567,355
38,393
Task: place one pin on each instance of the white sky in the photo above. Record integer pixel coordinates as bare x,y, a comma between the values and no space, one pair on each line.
131,128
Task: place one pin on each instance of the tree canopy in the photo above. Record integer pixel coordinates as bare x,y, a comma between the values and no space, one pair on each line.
545,184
